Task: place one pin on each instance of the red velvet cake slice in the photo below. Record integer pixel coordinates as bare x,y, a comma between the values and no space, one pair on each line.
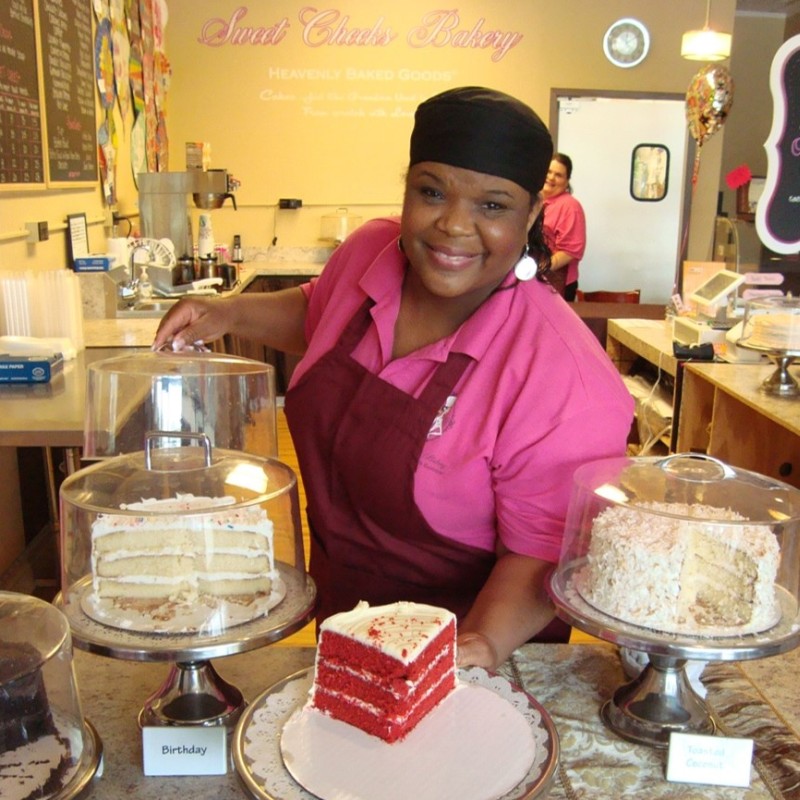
383,668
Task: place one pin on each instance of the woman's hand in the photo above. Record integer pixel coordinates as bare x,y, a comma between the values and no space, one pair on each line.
192,321
475,650
276,319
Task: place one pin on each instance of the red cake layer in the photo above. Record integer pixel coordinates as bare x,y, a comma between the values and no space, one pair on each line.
388,727
335,647
391,695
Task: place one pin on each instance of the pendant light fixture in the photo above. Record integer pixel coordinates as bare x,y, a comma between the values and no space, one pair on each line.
707,44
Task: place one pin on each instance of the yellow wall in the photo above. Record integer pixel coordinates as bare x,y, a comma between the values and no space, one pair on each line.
216,95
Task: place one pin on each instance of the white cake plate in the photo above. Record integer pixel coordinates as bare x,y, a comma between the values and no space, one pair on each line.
193,693
282,750
661,701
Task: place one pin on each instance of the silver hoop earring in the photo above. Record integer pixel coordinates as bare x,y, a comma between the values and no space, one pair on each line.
400,245
526,268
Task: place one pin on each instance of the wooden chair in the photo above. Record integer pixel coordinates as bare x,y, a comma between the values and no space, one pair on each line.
602,296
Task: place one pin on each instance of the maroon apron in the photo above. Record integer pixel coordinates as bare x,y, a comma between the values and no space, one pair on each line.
358,441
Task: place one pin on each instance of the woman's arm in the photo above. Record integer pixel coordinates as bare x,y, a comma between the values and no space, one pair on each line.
512,607
559,259
276,319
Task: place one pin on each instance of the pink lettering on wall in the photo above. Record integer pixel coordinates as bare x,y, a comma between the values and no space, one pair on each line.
331,27
217,32
441,29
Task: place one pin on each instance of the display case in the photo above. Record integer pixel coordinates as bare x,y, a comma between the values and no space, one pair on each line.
47,748
683,557
230,399
188,539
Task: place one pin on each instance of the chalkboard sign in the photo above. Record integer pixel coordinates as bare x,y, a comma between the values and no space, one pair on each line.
778,209
67,64
21,153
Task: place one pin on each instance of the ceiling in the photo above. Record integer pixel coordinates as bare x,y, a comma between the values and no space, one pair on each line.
787,7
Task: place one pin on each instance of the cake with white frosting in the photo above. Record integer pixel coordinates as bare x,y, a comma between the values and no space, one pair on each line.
683,568
775,330
383,668
172,553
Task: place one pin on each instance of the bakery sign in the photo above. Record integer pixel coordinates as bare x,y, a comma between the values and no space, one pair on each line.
778,210
333,28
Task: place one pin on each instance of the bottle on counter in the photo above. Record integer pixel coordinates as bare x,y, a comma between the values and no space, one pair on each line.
205,237
237,257
145,287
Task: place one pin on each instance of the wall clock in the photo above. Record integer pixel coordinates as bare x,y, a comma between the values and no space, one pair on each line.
626,43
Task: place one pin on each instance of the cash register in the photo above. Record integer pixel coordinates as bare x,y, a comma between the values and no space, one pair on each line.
714,313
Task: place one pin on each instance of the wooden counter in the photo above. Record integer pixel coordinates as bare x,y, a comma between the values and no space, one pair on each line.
50,414
725,413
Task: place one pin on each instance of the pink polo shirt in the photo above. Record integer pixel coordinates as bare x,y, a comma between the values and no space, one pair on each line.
565,229
540,399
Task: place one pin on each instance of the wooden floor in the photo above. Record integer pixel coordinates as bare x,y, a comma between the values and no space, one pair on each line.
307,636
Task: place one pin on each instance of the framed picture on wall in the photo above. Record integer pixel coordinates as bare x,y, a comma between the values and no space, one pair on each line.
77,237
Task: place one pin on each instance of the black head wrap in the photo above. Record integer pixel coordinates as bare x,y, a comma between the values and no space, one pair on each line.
486,131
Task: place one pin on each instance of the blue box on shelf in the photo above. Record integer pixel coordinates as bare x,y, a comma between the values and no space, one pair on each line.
29,369
94,262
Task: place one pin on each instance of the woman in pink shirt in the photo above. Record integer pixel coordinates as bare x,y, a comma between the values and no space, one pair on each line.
446,392
564,226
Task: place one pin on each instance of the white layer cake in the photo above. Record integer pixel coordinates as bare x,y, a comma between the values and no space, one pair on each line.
683,575
775,330
175,554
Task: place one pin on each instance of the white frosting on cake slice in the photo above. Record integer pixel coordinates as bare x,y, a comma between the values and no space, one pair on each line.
402,630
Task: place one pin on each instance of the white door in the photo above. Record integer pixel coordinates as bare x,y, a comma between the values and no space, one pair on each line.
631,244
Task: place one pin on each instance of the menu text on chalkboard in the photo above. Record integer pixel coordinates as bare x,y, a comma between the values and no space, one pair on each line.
67,60
21,153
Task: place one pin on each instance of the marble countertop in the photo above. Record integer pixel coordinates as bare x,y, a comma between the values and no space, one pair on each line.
139,332
755,699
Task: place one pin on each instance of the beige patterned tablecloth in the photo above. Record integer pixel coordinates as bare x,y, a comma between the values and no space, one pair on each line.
573,681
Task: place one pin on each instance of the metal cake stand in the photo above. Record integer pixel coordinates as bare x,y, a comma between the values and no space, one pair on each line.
193,693
780,383
661,701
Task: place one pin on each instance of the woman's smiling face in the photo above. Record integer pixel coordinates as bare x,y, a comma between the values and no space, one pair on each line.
557,179
463,231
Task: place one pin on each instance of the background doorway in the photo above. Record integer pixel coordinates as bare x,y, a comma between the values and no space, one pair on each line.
631,244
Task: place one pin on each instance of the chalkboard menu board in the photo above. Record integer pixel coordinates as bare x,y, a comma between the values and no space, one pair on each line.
67,64
21,154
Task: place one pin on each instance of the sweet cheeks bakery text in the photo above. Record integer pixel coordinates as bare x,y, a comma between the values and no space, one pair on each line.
333,28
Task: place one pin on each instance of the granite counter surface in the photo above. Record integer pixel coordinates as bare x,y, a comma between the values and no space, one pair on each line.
139,332
754,699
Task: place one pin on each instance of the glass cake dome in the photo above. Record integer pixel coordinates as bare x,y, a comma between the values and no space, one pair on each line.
772,324
684,544
231,399
47,749
185,539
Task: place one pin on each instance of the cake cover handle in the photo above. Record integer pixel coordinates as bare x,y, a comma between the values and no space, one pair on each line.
703,469
149,443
